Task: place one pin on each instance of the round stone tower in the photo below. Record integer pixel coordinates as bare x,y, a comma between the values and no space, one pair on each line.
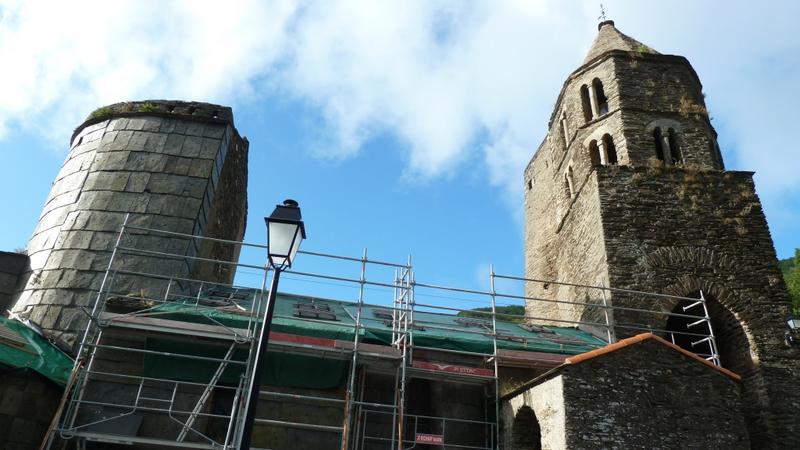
174,166
629,191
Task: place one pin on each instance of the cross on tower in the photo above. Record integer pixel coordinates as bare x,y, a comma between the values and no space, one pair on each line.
602,17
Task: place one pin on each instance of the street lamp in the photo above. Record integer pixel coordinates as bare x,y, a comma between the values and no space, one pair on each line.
285,232
793,333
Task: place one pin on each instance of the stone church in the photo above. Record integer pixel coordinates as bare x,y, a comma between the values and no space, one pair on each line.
654,307
629,190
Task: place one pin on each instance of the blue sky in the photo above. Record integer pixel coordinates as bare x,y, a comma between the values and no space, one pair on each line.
402,127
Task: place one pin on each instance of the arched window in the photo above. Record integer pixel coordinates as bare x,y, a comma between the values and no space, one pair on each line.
594,153
609,149
586,103
526,431
659,143
565,129
674,149
568,182
600,97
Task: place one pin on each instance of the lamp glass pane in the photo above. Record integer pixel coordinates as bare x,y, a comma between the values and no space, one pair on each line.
280,238
794,323
296,245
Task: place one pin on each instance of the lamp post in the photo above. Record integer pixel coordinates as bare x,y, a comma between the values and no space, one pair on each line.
793,333
285,232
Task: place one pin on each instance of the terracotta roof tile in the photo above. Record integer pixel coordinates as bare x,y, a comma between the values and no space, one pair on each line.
641,338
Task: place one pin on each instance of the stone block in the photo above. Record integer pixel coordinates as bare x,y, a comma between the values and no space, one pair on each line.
128,202
161,183
111,160
177,166
58,297
76,220
94,200
75,239
167,126
75,163
210,148
136,123
121,141
105,221
151,123
195,187
118,124
138,142
156,142
145,162
70,182
180,127
195,129
103,241
137,181
174,144
107,140
216,131
50,317
63,199
53,218
106,181
79,279
192,146
200,168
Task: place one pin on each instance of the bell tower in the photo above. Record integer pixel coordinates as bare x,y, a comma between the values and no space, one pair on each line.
629,190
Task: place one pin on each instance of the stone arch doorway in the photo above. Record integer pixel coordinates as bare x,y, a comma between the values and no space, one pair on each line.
526,433
730,336
733,347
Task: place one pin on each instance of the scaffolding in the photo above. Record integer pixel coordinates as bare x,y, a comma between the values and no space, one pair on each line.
152,276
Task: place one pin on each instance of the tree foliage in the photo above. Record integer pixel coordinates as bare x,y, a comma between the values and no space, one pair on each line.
791,274
504,313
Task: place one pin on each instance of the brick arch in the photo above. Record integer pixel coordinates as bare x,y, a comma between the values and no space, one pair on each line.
733,333
663,124
737,347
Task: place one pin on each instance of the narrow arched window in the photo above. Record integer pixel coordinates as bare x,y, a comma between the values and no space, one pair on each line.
600,97
569,185
610,149
659,143
565,129
586,103
674,149
594,153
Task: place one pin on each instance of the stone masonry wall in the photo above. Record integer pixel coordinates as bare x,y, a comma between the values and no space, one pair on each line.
643,396
649,396
27,404
159,161
663,91
546,399
680,231
12,267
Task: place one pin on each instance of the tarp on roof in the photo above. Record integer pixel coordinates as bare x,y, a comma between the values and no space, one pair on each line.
21,347
439,331
443,331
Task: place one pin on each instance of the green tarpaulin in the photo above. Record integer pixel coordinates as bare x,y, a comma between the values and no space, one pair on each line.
442,331
33,352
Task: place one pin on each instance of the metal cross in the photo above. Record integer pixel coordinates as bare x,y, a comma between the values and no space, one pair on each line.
602,17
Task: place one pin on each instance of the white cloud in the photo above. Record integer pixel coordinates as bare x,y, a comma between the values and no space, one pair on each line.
442,76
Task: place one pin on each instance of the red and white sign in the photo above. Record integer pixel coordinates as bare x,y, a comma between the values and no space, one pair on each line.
463,370
423,438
